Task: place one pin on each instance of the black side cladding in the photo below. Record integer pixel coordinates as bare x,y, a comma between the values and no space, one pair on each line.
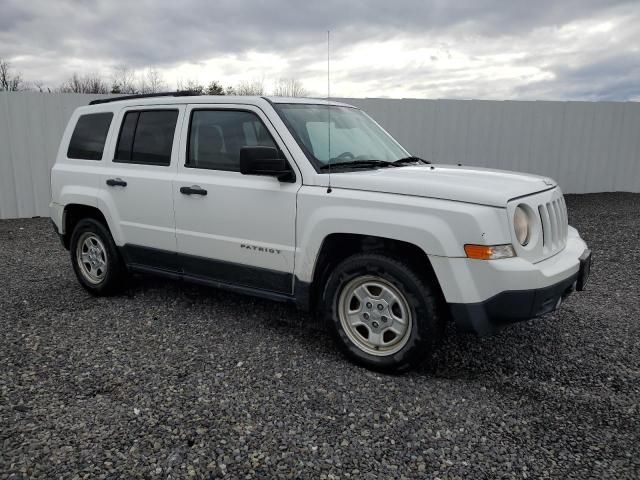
192,267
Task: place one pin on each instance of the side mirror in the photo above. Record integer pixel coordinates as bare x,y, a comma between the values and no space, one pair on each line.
265,161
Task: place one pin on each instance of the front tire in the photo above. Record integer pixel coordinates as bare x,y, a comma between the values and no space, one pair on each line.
384,315
95,258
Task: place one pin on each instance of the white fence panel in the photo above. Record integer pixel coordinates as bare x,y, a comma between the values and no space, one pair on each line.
587,147
31,125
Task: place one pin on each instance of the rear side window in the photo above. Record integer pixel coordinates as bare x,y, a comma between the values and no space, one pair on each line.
89,136
146,137
216,137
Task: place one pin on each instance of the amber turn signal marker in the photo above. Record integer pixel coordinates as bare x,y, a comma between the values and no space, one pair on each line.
489,252
479,252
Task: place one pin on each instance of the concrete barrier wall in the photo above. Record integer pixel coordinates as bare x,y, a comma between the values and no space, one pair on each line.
586,147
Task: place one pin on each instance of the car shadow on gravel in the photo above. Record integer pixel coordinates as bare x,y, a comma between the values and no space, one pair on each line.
271,314
459,355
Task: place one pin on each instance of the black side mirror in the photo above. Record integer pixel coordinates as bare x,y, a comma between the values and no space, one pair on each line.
265,161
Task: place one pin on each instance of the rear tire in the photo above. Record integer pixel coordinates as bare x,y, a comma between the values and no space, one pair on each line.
384,315
95,258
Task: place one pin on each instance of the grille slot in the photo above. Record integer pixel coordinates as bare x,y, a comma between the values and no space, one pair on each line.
553,215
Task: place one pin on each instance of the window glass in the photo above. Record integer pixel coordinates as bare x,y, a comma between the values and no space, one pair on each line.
351,133
125,142
147,137
216,137
89,136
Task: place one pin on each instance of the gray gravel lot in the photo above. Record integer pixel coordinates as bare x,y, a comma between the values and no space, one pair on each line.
174,381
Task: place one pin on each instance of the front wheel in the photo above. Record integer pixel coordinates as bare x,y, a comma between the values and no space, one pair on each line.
385,316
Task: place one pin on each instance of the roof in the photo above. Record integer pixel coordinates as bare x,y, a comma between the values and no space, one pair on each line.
312,101
186,97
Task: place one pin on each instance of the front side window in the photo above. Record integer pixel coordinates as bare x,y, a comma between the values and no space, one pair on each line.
146,137
89,136
338,134
216,137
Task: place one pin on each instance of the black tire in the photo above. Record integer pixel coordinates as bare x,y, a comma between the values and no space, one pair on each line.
113,278
426,320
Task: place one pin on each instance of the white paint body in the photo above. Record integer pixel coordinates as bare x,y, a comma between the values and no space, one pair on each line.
437,208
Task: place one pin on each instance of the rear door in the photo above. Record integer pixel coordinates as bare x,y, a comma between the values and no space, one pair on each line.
136,187
239,229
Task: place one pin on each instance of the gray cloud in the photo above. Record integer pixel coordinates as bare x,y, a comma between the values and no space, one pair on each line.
610,78
47,39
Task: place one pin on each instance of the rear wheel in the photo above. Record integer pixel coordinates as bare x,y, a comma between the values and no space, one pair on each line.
385,316
95,258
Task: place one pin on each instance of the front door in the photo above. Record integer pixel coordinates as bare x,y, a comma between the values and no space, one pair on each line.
233,228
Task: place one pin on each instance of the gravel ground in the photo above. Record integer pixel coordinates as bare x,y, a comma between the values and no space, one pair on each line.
174,381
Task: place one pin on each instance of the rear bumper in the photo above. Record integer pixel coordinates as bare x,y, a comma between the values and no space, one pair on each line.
56,213
518,305
60,236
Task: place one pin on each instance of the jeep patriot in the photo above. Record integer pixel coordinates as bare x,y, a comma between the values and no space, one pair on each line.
311,202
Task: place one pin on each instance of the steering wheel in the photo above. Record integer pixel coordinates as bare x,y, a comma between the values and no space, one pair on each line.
346,156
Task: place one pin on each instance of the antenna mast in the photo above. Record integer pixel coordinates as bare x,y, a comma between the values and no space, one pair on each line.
328,111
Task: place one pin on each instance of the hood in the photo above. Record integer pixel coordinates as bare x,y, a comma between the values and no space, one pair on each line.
483,186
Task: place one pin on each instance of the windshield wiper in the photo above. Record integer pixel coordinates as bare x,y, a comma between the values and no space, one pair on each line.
358,163
411,159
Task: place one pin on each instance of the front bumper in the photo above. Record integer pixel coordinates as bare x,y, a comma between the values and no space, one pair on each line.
515,306
485,295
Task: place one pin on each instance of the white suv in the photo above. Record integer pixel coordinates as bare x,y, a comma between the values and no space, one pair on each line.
310,202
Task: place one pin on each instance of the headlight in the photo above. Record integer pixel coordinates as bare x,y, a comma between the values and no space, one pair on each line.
521,225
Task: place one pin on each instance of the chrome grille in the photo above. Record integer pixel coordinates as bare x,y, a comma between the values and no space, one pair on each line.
555,223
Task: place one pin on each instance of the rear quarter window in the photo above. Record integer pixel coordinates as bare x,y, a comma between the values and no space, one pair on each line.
89,136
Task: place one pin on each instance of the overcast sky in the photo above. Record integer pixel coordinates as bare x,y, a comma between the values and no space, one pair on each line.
538,49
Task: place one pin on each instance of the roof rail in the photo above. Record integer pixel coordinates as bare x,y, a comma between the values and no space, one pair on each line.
182,93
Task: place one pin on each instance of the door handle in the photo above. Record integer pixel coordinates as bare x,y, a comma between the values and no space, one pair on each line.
193,190
116,182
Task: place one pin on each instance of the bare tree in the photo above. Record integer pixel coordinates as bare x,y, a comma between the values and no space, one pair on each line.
94,84
214,88
290,87
91,83
39,86
155,80
190,85
123,80
10,82
74,84
253,87
151,82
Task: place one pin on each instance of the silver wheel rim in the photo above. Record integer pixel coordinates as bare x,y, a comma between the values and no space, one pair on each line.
91,256
375,315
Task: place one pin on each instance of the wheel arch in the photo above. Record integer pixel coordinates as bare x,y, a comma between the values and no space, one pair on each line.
336,247
73,213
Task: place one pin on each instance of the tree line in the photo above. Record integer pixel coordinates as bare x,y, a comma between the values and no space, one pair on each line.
125,81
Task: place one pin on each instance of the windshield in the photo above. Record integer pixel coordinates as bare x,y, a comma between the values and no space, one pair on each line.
354,136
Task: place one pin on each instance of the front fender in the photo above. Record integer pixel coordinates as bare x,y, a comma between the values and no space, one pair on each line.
438,227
